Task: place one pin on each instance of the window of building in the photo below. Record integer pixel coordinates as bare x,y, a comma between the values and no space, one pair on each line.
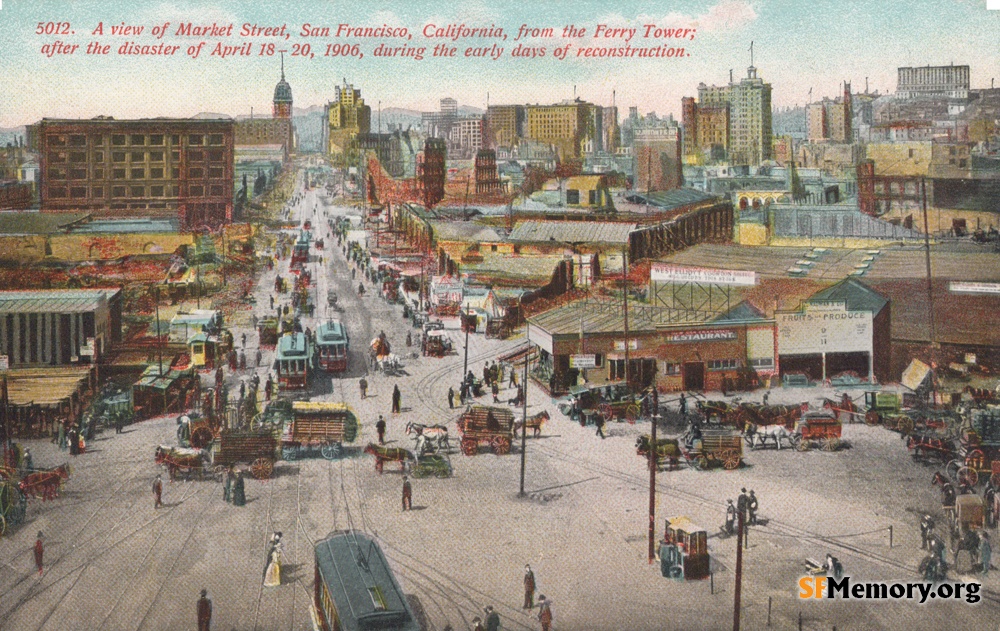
57,191
57,173
962,163
764,362
156,156
138,140
215,139
137,191
78,156
493,248
118,191
98,156
175,172
118,156
723,364
671,369
97,191
138,174
195,139
156,191
57,141
77,141
57,156
175,155
196,172
118,174
156,140
175,139
197,191
196,156
215,171
156,173
572,196
138,156
118,140
78,192
78,174
216,191
98,174
215,155
911,153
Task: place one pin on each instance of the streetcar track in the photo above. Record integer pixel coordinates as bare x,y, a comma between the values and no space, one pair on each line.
267,529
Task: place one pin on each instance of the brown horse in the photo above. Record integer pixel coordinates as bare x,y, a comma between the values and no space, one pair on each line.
44,484
534,423
177,459
390,454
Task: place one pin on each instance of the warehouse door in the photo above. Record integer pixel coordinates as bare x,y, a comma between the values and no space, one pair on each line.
694,376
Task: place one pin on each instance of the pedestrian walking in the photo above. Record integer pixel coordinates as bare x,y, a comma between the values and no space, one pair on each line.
407,494
62,434
752,508
477,624
39,551
492,619
513,379
380,428
529,588
767,394
396,399
243,390
243,360
29,462
363,385
204,612
73,438
926,531
272,300
496,391
451,398
268,386
239,490
599,422
544,613
157,492
683,405
243,340
259,356
227,485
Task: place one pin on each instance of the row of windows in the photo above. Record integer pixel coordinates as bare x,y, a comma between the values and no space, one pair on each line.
135,140
77,157
80,192
135,173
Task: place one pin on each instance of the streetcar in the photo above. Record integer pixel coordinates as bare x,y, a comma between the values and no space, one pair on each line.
300,251
332,346
355,589
294,361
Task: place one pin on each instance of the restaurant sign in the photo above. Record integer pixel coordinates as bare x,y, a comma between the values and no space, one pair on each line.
701,336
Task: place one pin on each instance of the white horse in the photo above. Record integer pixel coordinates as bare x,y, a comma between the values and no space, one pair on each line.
435,435
761,434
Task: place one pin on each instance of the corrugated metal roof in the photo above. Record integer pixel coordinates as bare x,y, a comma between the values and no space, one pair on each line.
572,232
464,231
53,300
589,317
673,198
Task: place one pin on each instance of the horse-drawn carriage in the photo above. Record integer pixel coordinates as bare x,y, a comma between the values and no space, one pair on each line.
44,483
318,426
967,522
184,460
818,429
979,448
435,464
886,408
482,425
13,505
436,343
615,401
267,333
254,448
700,448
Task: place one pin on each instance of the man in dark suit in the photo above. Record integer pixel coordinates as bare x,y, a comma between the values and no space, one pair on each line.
204,612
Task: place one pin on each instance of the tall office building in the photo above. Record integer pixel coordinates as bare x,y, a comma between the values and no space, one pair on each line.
346,117
947,81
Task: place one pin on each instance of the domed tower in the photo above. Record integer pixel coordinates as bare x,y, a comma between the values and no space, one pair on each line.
282,96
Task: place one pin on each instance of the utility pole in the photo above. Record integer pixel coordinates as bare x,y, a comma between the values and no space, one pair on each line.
159,340
930,286
652,489
524,427
465,365
739,572
625,307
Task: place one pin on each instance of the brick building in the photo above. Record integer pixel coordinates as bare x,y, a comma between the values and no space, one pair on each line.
175,168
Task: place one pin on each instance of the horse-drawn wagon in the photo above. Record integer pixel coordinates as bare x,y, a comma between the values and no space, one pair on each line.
318,426
668,450
183,460
710,447
267,333
979,448
435,464
482,425
436,344
13,505
609,401
257,449
886,408
817,429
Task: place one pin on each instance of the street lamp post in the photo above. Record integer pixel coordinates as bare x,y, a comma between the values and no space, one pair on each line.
524,426
465,323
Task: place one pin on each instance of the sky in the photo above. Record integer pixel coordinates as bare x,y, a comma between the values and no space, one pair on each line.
798,46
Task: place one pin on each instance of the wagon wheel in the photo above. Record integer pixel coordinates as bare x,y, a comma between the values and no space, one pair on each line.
442,473
872,418
606,411
701,462
968,475
632,412
331,451
201,437
289,453
470,447
974,459
952,468
501,445
262,468
831,443
730,459
3,525
905,425
802,444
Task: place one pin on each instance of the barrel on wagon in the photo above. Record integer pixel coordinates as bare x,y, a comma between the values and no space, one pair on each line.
318,426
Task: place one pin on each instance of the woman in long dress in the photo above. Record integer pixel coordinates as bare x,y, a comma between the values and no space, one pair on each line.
272,577
239,496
